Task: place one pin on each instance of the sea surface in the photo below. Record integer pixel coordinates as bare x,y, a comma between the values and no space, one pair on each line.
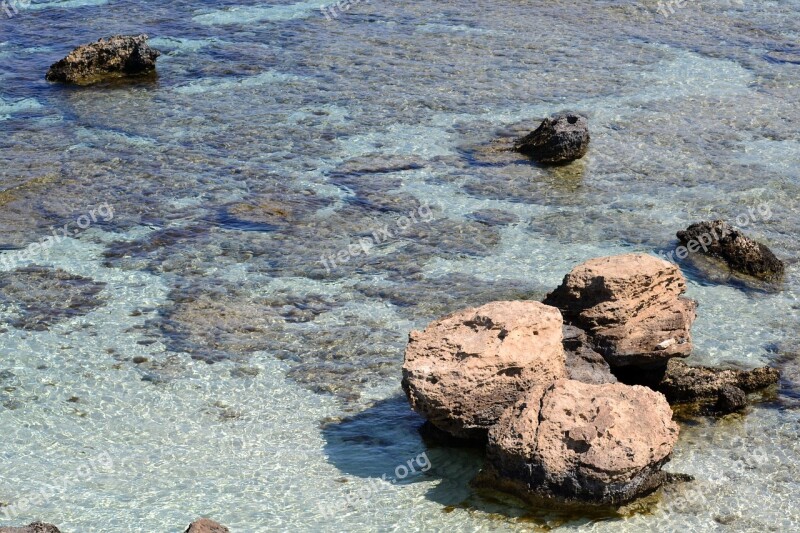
208,278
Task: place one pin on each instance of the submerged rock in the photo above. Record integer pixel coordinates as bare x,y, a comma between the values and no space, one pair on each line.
117,56
206,525
578,442
631,308
465,369
682,383
742,254
562,138
36,527
583,363
39,297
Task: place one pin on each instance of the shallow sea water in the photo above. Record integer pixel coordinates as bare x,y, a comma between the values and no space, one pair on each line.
191,355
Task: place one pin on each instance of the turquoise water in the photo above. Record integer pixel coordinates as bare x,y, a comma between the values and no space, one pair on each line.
191,349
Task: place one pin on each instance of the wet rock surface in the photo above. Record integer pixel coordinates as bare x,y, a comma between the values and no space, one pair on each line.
683,383
562,138
578,442
37,297
206,525
465,369
36,527
630,306
741,253
730,400
114,57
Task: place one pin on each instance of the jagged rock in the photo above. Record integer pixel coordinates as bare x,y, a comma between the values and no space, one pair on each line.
682,383
730,400
742,254
465,369
578,442
631,308
206,525
583,363
561,138
117,56
36,527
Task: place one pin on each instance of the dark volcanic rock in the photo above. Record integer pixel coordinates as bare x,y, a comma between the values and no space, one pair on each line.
742,254
583,363
682,383
36,527
731,399
206,525
562,138
117,56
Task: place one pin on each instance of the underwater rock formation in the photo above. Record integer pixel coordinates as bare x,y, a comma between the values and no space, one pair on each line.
114,57
578,442
741,253
465,369
631,308
562,138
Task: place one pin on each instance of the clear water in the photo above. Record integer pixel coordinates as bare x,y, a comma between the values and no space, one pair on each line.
274,137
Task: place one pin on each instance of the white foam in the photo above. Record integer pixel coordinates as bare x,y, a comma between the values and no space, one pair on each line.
249,15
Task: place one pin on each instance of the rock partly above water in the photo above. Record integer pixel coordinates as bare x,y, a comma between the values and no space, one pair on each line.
741,253
682,383
465,369
630,306
206,525
562,138
36,527
578,442
115,57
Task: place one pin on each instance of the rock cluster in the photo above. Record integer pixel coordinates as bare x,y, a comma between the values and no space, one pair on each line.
741,253
576,412
465,369
117,56
600,444
562,138
630,306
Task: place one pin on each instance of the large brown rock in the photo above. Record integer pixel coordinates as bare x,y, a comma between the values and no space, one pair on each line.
719,239
117,56
465,369
206,525
630,305
36,527
579,442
